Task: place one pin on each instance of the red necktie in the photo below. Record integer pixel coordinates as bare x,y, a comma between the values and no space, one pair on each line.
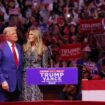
14,54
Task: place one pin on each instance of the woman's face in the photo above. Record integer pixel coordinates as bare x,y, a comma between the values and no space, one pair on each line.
31,36
56,29
71,89
85,75
86,55
72,29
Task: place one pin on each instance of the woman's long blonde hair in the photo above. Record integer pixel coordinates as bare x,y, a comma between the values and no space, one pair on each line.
39,46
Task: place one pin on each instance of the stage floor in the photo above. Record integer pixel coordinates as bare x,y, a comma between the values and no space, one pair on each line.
54,103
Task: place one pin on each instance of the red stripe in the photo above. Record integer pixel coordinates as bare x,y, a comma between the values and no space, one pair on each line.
93,84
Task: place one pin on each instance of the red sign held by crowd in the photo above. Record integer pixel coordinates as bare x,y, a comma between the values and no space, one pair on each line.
91,25
70,52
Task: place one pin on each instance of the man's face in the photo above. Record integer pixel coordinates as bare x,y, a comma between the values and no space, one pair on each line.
12,36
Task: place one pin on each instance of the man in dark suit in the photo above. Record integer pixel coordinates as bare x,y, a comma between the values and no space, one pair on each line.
10,66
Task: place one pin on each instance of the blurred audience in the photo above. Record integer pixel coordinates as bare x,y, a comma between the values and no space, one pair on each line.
60,24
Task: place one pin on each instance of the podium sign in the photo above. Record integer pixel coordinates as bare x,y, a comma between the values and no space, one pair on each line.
51,76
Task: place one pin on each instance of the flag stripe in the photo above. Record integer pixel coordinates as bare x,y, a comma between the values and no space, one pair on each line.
93,84
93,95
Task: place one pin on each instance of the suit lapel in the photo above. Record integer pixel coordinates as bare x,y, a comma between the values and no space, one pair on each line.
18,49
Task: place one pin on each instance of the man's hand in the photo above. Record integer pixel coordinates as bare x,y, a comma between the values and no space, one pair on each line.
5,86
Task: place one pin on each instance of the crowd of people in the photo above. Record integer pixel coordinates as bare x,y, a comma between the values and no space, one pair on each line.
43,26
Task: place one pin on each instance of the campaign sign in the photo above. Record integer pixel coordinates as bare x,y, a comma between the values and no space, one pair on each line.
70,52
91,25
51,76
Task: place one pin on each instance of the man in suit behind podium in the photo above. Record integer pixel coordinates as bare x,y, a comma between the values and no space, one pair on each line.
10,66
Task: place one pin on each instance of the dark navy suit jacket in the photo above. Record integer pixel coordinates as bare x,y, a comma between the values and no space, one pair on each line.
9,71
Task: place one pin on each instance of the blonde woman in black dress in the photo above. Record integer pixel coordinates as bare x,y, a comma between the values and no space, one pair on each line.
35,55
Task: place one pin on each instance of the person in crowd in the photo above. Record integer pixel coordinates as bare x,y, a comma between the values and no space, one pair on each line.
68,92
102,72
95,48
86,61
85,73
35,55
10,66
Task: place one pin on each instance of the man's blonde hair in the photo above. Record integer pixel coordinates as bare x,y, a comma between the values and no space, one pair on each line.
8,29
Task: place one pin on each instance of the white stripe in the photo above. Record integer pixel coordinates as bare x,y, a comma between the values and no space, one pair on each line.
93,95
